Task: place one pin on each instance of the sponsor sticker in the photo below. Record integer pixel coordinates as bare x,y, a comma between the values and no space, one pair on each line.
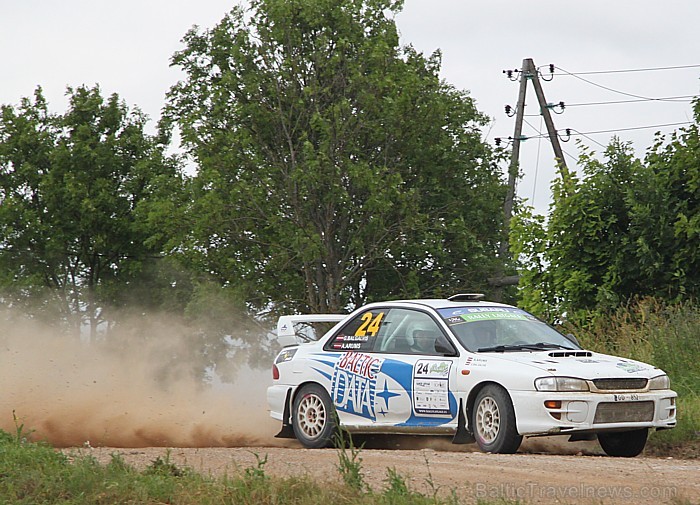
629,367
354,383
474,361
431,380
466,315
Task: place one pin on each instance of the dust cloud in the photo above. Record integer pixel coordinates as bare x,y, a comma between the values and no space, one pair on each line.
139,387
130,389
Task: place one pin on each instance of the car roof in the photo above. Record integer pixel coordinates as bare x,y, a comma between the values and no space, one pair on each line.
441,303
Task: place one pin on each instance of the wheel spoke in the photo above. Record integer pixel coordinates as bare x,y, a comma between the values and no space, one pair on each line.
488,420
311,415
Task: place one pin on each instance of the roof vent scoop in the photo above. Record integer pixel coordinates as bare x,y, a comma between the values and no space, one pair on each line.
466,297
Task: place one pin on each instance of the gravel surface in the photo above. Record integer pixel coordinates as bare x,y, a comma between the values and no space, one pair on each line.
580,477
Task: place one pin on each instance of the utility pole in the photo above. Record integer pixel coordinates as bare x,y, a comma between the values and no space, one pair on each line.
514,160
528,73
544,110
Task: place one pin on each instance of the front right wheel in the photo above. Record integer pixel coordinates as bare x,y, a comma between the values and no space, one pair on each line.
624,444
493,421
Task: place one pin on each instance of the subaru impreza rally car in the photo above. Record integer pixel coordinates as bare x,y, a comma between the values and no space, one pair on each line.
463,367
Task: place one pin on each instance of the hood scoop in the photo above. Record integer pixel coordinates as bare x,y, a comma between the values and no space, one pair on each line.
571,354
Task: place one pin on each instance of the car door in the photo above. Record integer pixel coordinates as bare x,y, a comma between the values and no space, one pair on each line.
417,373
387,371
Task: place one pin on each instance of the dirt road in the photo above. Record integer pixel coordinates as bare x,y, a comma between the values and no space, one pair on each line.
582,477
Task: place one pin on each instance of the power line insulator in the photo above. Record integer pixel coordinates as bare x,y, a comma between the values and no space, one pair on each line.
510,112
498,141
512,74
551,73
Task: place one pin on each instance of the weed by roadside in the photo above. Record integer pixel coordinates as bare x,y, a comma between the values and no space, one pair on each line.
36,474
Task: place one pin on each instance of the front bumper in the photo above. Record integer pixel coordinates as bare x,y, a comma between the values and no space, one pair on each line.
592,412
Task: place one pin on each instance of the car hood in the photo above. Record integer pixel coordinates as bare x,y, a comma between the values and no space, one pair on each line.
581,364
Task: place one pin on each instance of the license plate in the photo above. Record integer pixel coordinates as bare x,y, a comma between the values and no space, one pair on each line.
626,398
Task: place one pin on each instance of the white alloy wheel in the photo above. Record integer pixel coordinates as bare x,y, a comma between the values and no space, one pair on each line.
488,420
493,421
311,415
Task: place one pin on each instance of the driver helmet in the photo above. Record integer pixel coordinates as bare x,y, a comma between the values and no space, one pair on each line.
424,336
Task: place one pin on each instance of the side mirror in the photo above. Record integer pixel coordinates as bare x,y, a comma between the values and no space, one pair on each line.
573,338
443,347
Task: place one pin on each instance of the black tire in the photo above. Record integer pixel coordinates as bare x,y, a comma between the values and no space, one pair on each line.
313,417
624,444
493,421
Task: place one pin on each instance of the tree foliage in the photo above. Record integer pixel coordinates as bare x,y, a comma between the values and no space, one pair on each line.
628,228
70,188
333,166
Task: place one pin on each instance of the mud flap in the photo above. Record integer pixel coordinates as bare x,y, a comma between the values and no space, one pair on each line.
462,436
287,430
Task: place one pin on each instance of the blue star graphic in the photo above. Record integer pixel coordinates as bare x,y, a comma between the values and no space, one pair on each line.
386,394
383,412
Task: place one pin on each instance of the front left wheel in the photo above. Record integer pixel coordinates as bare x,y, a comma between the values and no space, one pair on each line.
313,417
493,421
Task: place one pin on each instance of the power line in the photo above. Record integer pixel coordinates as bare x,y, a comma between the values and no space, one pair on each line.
635,128
677,99
612,89
650,69
589,138
541,136
615,130
680,98
537,159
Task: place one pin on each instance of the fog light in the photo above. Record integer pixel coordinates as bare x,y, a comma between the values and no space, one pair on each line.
554,404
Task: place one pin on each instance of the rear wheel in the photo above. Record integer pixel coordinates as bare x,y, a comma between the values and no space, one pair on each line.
493,421
313,417
624,444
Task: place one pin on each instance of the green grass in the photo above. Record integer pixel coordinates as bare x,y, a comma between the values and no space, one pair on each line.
667,336
36,474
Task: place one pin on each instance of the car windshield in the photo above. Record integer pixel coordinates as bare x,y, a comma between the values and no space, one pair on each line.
502,329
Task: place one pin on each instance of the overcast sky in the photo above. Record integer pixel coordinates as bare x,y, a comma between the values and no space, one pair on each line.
125,47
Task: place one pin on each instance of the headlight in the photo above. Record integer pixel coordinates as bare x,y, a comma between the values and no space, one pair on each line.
660,382
560,384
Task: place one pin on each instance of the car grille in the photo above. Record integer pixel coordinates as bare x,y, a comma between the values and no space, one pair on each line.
620,384
624,412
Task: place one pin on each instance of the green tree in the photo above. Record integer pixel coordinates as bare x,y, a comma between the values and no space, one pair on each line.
70,187
665,215
333,166
626,229
589,231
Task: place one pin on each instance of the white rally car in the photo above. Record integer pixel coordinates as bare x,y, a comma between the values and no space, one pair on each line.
467,368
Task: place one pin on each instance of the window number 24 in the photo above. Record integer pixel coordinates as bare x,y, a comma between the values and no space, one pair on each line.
370,325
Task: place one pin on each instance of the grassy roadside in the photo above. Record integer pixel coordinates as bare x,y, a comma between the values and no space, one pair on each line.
36,474
667,336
